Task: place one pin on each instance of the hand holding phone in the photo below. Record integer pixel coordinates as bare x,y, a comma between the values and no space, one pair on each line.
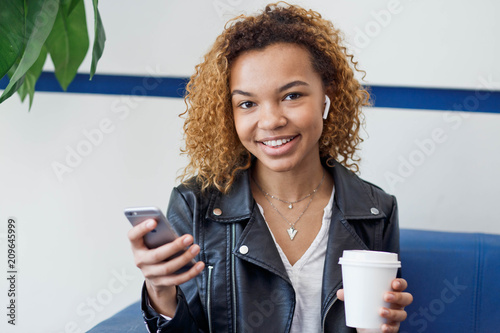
162,234
164,266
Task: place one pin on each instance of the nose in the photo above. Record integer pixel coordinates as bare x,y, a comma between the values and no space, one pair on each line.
271,117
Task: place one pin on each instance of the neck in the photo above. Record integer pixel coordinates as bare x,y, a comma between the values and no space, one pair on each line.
289,185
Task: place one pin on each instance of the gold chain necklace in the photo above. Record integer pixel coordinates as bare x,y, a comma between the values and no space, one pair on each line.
291,231
290,203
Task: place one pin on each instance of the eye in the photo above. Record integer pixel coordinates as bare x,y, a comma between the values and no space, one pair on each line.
292,96
246,105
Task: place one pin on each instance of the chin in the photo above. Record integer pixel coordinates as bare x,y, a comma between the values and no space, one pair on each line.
277,166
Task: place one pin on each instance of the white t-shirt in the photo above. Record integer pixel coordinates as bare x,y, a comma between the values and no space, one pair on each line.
307,277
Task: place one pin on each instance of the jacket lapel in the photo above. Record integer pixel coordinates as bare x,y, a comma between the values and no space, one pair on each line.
254,243
259,245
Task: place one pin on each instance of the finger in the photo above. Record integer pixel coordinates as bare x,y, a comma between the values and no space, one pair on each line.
136,234
178,279
171,266
340,294
393,315
390,328
160,254
166,251
187,258
398,300
399,284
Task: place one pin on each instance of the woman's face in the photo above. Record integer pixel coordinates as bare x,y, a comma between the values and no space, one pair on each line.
278,102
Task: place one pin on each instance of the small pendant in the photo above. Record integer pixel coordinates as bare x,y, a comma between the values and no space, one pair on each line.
291,232
290,206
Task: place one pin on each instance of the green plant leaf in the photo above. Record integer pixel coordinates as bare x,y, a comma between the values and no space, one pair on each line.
99,39
11,33
71,4
32,76
19,82
68,42
40,17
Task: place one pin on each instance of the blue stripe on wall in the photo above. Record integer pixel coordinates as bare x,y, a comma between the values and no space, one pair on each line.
113,85
383,96
436,99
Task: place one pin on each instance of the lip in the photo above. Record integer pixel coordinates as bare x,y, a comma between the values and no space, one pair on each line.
279,150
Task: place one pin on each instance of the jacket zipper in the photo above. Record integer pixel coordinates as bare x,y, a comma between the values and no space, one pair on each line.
209,289
326,312
233,274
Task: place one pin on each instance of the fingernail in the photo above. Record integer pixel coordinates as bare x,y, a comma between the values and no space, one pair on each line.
199,266
187,240
150,224
194,249
389,297
384,312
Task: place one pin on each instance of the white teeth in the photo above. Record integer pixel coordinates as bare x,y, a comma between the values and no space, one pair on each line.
276,143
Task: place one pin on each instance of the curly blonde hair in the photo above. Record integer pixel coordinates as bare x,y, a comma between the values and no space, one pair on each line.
215,151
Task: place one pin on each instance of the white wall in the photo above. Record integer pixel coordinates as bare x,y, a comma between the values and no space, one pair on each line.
75,265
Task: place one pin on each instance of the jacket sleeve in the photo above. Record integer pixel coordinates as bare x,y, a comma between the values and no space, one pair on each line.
390,235
181,322
189,315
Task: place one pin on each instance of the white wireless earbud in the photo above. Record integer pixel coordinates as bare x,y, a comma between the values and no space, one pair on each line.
327,107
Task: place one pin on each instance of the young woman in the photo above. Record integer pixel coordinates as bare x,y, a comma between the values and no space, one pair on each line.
268,202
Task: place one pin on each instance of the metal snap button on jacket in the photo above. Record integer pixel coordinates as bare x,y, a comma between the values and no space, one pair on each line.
374,211
244,249
217,212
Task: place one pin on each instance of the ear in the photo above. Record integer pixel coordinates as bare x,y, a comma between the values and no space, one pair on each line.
327,107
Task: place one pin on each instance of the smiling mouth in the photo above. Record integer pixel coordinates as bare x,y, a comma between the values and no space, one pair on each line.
277,143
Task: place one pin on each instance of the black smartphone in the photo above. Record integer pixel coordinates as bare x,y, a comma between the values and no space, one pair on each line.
162,234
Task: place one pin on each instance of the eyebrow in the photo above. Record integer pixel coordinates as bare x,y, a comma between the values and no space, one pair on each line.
281,89
241,92
292,84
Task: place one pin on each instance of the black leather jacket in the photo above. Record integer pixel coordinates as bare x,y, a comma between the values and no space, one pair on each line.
251,292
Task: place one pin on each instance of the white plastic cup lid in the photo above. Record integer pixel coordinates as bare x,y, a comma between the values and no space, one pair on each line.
369,257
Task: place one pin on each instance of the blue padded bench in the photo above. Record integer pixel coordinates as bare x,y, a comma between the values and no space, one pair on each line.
455,281
454,278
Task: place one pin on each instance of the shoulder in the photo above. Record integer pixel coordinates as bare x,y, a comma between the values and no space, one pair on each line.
235,205
187,206
190,191
377,191
387,202
357,196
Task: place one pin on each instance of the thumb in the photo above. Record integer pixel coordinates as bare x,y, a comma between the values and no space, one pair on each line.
340,294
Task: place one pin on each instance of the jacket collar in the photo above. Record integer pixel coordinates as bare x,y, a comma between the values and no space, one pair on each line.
353,198
234,206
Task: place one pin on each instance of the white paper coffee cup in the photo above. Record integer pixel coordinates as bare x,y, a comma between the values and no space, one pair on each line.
366,276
